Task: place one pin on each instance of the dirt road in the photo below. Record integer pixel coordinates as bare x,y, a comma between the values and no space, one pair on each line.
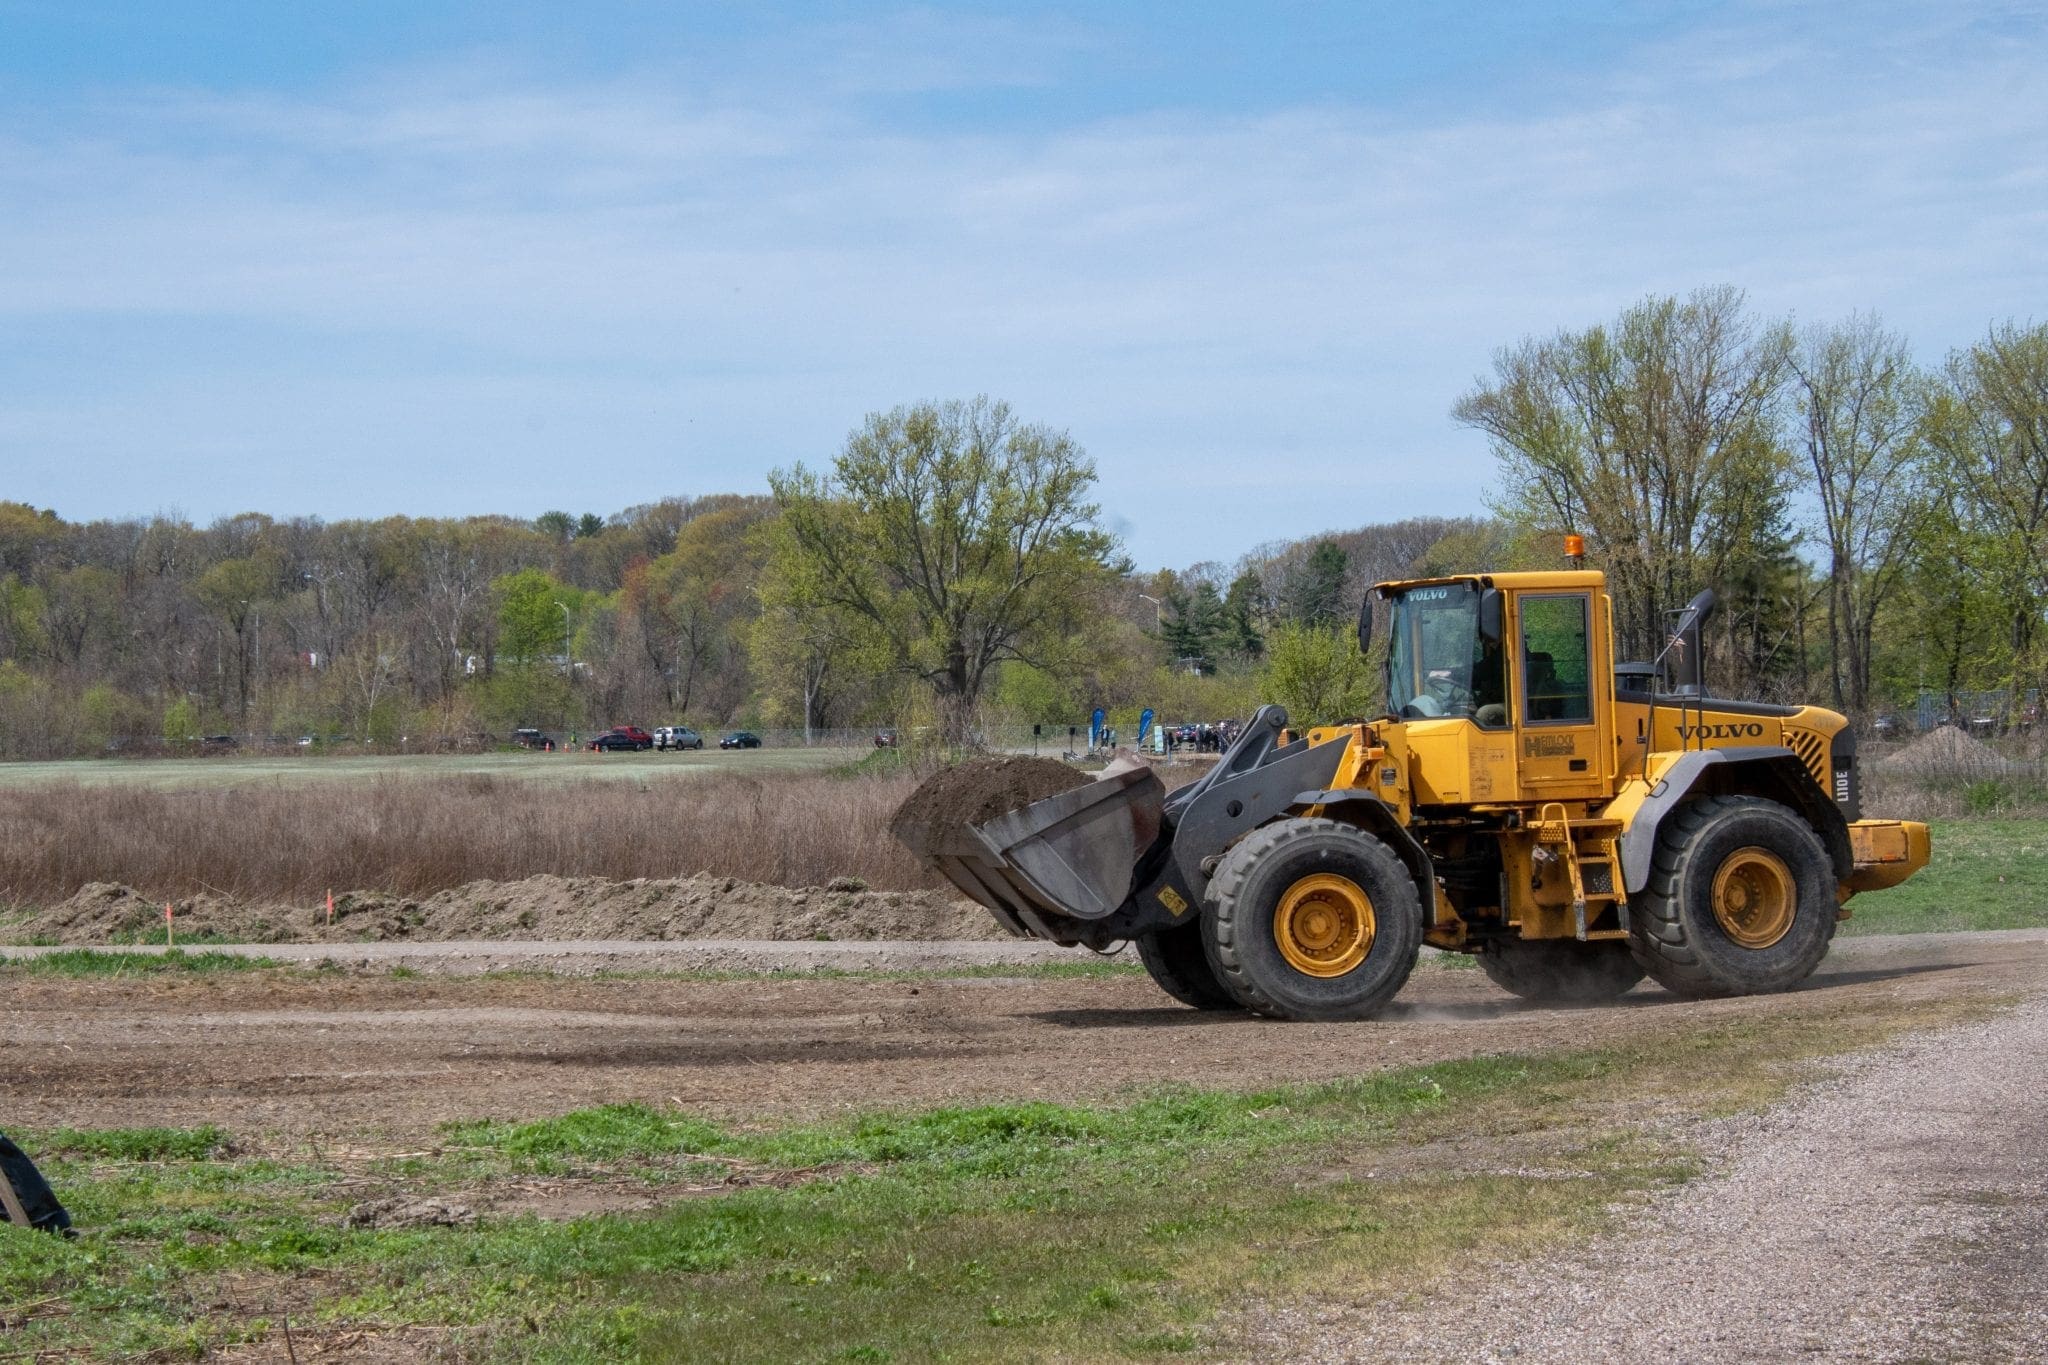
1896,1213
280,1056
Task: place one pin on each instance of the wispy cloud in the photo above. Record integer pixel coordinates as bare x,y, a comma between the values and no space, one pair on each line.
460,274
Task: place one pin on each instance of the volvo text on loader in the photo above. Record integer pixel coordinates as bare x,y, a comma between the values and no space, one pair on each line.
1573,824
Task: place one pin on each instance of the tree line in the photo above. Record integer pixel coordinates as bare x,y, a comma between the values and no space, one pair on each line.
1872,528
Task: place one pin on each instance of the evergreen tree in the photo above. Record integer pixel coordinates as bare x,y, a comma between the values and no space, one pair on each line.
1240,623
1315,591
1196,626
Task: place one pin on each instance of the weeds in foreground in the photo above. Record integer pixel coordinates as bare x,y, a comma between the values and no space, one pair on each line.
416,836
94,962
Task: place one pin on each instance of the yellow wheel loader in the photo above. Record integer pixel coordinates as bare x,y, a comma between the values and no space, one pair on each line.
1574,824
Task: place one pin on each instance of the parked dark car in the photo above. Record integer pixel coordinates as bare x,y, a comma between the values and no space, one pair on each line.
218,744
885,739
622,737
740,739
528,738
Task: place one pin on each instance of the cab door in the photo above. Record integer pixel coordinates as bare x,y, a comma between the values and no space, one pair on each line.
1563,702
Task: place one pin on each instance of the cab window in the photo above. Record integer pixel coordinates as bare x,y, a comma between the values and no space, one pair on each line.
1439,661
1556,659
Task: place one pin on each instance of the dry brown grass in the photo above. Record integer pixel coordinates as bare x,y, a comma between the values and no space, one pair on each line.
416,836
420,835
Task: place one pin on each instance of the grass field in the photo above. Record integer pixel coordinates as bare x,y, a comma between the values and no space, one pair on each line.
1983,874
540,767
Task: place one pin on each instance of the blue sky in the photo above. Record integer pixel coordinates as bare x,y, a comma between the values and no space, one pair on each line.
402,257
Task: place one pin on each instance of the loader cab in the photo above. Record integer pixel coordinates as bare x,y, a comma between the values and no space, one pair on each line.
1445,655
1504,684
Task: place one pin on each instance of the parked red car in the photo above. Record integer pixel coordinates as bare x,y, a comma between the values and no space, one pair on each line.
623,737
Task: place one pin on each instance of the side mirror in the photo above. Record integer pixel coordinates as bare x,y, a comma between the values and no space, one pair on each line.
1490,625
1365,625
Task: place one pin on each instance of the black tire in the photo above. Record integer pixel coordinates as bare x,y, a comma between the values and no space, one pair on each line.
1176,959
1677,937
1562,971
1244,899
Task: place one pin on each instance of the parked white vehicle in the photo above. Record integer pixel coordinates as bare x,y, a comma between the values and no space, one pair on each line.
677,737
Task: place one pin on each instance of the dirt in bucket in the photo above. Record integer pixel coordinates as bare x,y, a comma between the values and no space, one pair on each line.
974,793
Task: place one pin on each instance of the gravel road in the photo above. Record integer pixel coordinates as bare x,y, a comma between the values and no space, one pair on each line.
1898,1212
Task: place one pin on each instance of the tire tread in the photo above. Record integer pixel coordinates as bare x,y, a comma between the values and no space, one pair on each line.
1228,883
1660,941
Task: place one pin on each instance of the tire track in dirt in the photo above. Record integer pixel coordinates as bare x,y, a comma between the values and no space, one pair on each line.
362,1055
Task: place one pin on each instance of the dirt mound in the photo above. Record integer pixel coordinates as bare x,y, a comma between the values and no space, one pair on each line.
534,908
1946,752
970,793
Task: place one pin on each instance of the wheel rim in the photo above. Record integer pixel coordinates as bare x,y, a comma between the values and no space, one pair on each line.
1324,925
1755,897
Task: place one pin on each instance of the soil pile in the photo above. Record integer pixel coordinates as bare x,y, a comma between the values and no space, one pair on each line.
1946,752
535,908
972,793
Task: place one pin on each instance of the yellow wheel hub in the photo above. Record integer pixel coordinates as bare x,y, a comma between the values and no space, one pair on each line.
1324,925
1755,897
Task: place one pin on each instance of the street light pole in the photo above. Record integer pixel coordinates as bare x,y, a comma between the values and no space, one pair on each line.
568,663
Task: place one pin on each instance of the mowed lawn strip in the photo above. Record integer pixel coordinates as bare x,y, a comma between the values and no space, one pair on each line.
1981,874
1023,1231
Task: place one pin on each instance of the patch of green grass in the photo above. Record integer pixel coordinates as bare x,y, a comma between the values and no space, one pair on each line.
98,962
135,1144
1981,874
874,763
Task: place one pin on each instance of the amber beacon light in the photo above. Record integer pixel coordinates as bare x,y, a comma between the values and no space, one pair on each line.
1575,550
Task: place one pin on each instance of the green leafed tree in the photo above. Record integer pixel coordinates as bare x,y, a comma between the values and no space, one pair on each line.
954,537
1861,406
803,645
536,615
235,590
1656,438
1989,426
1317,673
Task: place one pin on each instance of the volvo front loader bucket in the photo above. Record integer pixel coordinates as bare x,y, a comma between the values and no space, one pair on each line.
1071,857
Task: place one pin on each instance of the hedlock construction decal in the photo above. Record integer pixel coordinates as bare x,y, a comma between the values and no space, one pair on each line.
1740,730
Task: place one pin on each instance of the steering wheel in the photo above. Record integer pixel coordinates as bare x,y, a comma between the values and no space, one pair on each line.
1452,696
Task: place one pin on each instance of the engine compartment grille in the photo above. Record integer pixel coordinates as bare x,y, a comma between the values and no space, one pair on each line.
1813,752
